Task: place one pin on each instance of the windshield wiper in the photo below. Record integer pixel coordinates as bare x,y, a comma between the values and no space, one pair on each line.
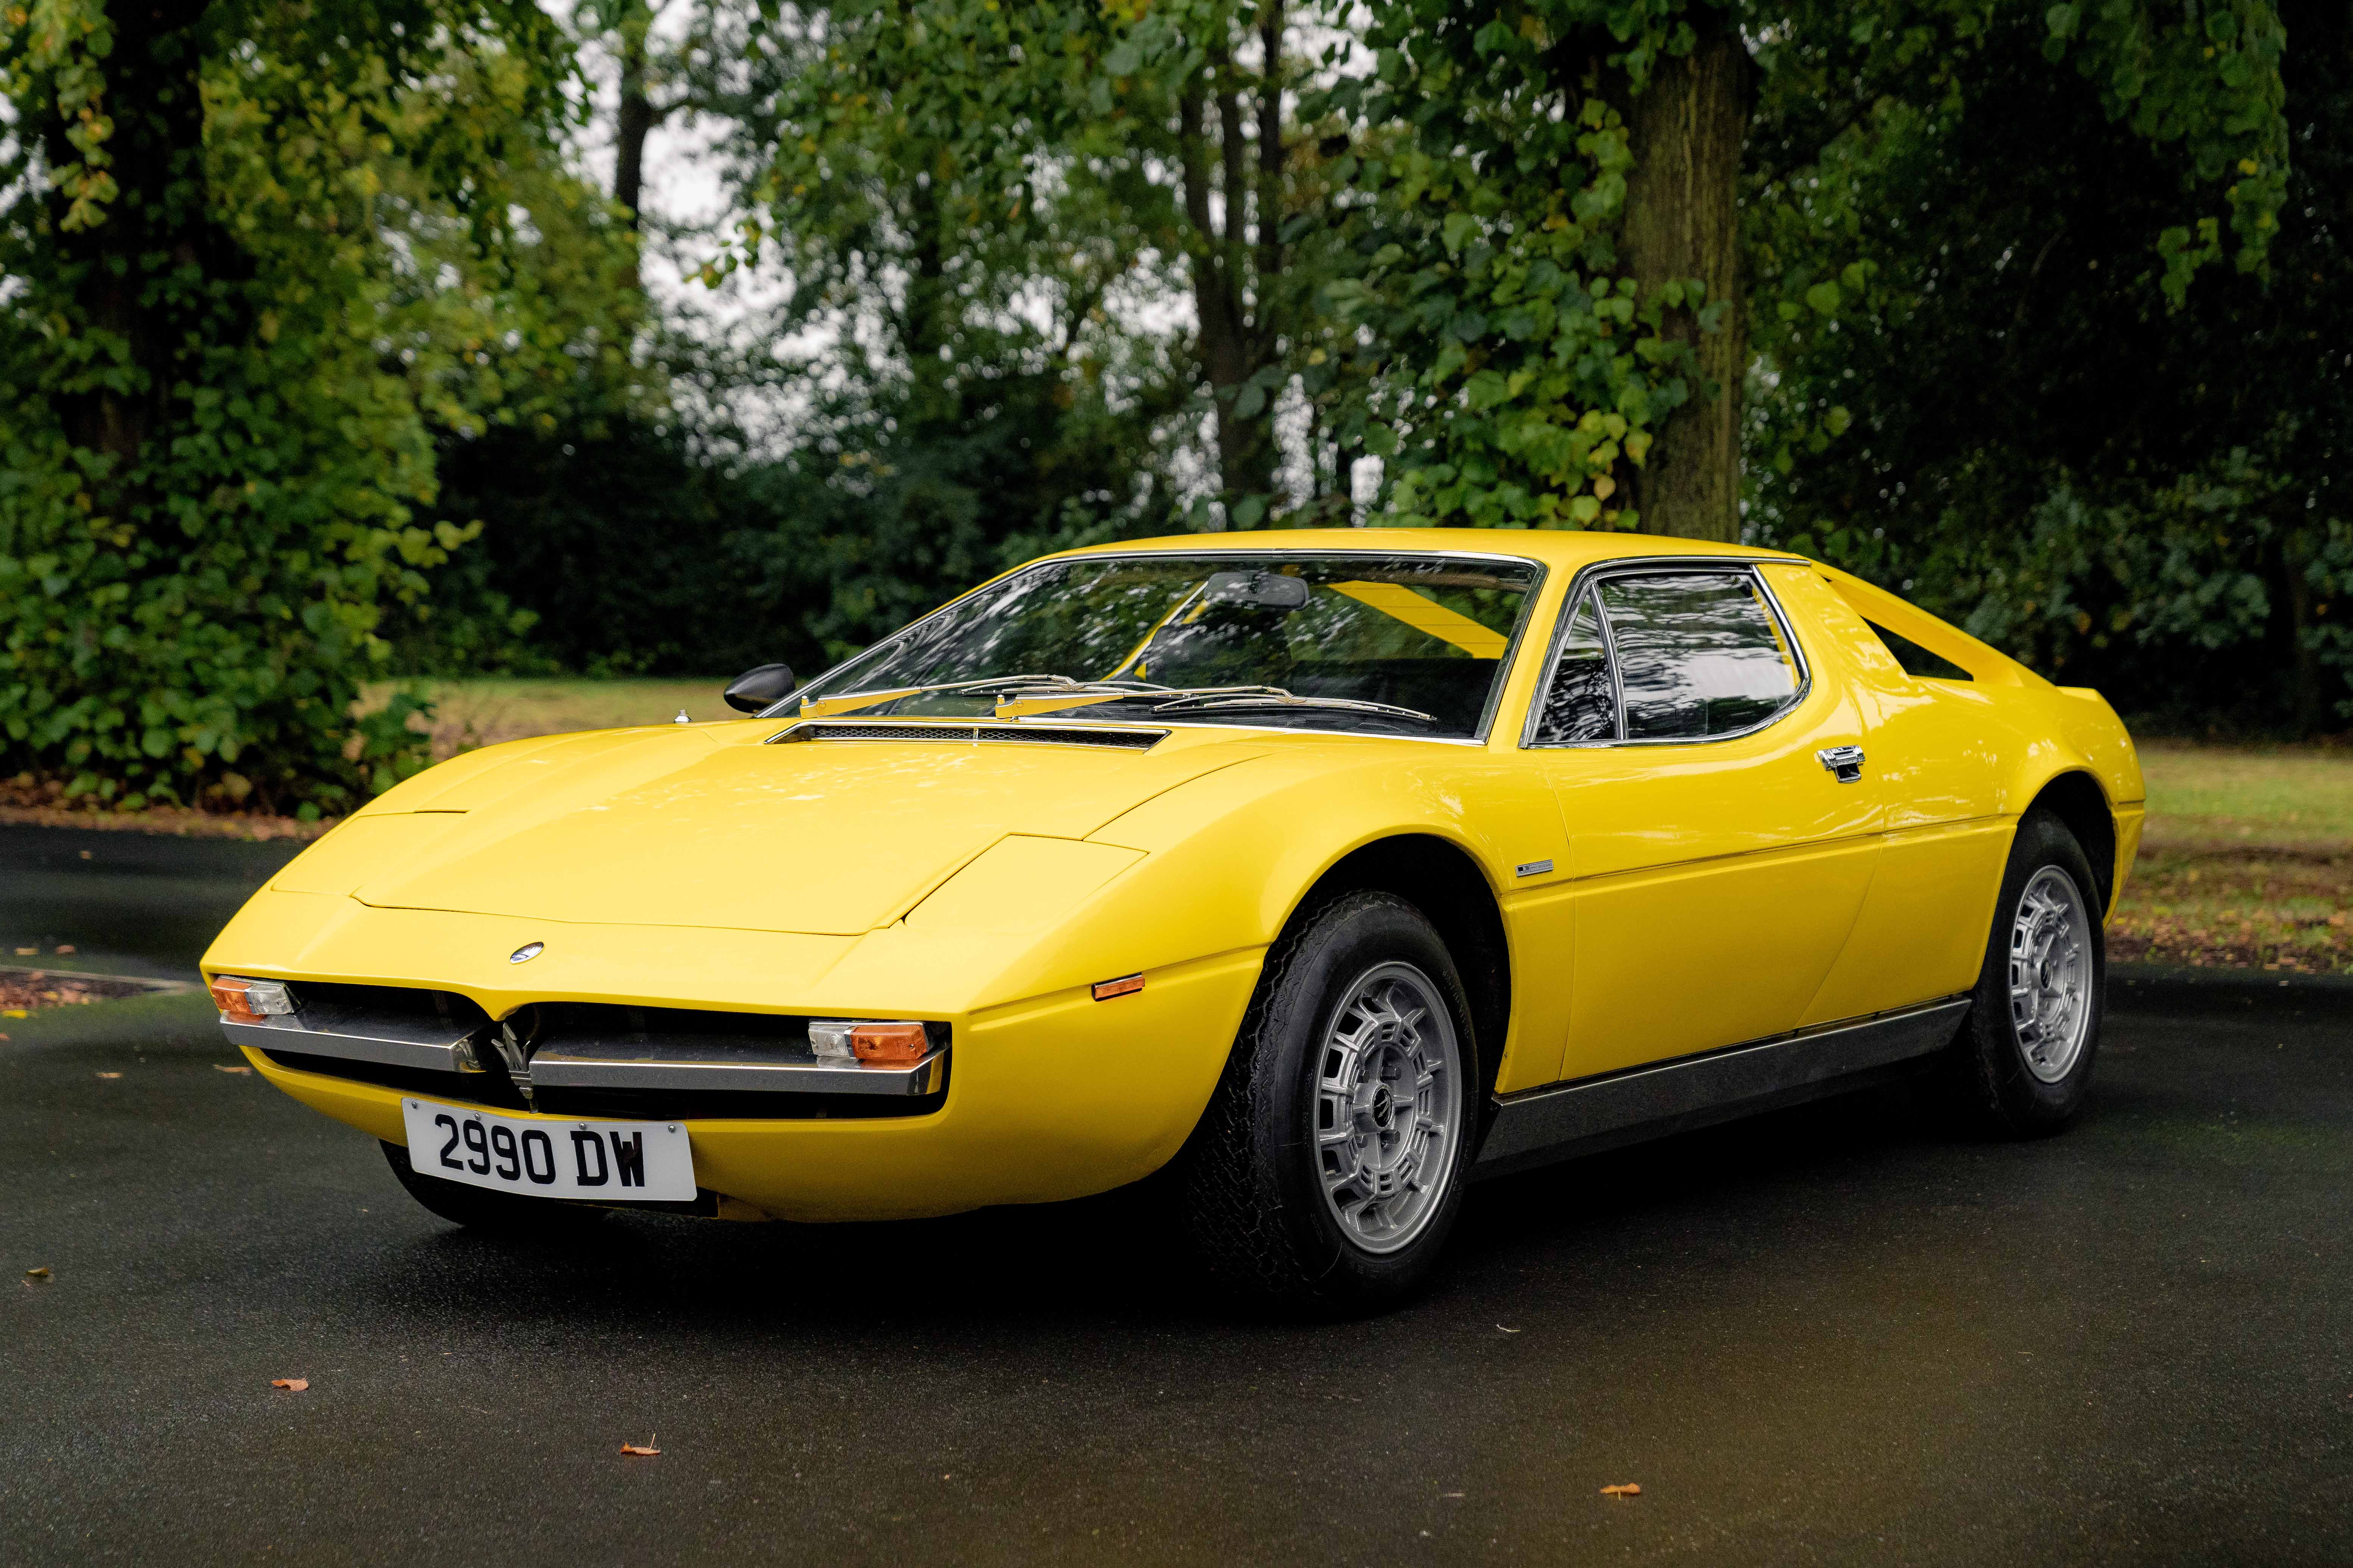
1229,699
1021,695
1017,694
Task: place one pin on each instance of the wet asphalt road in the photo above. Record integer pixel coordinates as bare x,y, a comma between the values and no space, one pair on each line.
1838,1334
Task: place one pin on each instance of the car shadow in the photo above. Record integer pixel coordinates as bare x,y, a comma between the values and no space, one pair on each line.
1117,1259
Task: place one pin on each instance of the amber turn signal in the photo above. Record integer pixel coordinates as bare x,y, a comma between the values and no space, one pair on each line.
1126,985
890,1045
244,1001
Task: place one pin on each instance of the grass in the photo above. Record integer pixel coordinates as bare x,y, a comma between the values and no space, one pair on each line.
470,713
2246,862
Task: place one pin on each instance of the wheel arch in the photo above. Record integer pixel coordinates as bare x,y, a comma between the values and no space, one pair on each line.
1444,881
2076,799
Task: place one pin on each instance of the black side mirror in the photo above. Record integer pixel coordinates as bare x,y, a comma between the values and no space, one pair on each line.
756,689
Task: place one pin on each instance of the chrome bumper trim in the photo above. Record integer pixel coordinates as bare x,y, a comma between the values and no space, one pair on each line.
732,1068
390,1042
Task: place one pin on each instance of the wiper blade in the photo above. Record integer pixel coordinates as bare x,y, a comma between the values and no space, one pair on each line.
1018,694
1230,698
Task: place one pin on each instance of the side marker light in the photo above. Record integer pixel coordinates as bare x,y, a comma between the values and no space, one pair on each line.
1126,985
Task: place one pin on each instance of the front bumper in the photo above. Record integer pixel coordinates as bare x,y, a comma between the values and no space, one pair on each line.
1050,1097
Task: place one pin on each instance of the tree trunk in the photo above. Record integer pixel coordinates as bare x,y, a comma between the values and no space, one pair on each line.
156,224
1232,346
636,116
2308,696
1682,221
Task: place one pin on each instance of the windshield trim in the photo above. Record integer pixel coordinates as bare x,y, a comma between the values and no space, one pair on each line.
788,707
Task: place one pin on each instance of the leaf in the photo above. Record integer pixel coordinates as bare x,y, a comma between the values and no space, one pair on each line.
39,1271
1628,1490
1824,297
240,1069
110,1075
646,1448
290,1384
67,947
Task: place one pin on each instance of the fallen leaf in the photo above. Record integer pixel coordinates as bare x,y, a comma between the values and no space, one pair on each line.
26,951
1507,1331
1628,1490
290,1384
224,1066
13,1013
647,1447
110,1075
39,1272
85,854
65,947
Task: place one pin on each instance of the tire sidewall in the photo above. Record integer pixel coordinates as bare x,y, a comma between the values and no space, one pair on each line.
2018,1102
1344,940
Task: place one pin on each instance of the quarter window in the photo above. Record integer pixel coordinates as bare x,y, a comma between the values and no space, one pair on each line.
1698,653
1581,704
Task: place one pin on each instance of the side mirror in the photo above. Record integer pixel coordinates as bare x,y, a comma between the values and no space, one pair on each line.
757,689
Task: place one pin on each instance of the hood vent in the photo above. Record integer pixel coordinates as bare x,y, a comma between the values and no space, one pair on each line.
969,734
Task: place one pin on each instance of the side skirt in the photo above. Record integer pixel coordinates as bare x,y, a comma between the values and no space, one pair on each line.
1587,1115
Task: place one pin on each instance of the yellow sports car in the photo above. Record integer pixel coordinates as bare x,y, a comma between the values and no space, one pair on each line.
1317,873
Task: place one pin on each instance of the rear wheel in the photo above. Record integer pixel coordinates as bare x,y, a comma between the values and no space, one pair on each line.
2023,1065
1330,1164
479,1208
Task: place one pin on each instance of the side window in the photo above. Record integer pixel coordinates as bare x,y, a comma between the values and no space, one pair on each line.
1580,704
1918,661
1699,654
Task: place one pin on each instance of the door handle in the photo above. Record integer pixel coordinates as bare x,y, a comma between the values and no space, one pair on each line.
1844,762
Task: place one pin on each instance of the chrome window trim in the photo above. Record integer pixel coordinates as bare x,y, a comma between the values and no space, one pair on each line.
1486,717
1588,580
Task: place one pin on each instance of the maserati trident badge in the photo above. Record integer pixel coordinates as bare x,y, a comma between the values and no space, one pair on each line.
526,952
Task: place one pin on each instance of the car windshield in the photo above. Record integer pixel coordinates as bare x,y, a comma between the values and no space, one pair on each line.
1402,645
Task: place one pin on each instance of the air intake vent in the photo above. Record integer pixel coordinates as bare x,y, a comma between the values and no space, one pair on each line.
968,734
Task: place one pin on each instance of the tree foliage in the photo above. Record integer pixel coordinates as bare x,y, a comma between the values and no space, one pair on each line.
258,256
2093,410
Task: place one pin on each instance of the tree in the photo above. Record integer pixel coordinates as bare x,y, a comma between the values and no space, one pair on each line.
258,255
1169,122
2121,467
1546,183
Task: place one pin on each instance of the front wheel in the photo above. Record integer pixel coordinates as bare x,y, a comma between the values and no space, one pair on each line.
2023,1065
1330,1164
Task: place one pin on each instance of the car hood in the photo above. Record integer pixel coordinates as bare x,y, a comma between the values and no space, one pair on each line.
711,827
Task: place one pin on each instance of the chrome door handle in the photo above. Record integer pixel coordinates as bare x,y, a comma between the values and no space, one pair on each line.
1845,762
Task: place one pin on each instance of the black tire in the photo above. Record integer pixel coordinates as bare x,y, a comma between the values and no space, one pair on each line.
479,1208
1999,1088
1249,1184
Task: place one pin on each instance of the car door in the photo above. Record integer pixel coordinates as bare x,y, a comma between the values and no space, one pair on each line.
1721,833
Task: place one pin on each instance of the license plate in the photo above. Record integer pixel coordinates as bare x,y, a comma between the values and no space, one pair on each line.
608,1160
